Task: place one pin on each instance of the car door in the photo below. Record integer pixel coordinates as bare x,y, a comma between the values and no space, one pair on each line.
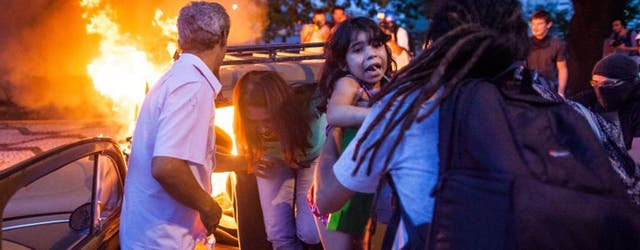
66,198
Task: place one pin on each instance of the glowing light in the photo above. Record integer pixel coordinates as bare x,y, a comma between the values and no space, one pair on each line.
90,3
234,6
122,71
224,120
380,15
169,29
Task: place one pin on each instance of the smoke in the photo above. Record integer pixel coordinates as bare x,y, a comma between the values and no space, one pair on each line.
46,48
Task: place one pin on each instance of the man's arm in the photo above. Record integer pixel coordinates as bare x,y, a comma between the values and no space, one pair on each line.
330,195
563,75
403,38
175,176
226,162
305,33
625,48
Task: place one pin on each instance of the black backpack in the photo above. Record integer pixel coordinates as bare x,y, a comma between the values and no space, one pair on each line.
518,171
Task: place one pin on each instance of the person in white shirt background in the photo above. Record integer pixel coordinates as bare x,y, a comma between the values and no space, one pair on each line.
401,35
400,55
318,31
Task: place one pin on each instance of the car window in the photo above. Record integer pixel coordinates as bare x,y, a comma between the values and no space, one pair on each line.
108,189
37,216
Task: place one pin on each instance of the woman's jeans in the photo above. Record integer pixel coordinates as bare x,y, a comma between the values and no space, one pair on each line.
286,225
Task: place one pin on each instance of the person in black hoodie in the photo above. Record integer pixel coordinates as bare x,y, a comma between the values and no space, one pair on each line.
616,95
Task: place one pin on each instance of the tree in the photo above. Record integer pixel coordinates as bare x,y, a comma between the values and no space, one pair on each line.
560,17
283,15
590,25
407,11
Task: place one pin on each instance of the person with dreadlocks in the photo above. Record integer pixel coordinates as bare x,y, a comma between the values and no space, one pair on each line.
472,39
356,66
475,62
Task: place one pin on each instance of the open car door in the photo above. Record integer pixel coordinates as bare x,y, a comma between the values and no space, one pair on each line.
66,198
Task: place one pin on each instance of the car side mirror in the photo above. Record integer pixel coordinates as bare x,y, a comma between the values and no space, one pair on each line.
80,218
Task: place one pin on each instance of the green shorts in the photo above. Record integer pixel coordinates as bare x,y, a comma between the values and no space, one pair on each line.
353,216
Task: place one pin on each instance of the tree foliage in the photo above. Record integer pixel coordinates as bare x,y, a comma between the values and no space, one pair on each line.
560,17
284,15
588,28
406,11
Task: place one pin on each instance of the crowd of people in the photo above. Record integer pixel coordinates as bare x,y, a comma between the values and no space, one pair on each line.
387,132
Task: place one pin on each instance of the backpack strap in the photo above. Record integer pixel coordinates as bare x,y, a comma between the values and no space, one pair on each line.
416,235
447,152
389,235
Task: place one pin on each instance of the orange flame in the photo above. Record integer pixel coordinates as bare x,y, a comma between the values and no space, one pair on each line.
123,72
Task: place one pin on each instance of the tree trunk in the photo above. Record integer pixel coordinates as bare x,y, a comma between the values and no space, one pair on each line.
590,25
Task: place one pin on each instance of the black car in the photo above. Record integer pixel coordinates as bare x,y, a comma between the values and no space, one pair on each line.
70,197
67,198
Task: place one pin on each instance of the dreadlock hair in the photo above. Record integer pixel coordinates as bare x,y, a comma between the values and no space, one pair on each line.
336,48
269,90
472,39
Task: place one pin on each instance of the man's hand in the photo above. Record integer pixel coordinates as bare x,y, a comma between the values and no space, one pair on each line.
175,176
210,217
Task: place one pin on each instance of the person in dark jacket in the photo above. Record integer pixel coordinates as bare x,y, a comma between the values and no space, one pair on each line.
616,95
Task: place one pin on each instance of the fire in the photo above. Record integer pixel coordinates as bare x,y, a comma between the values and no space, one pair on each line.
123,71
169,30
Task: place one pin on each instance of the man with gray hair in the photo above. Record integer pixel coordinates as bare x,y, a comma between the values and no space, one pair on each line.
167,202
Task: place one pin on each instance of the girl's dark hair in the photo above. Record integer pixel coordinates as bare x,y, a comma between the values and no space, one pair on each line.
472,39
336,50
267,89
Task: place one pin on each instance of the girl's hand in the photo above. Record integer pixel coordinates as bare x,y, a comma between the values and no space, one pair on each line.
294,166
262,166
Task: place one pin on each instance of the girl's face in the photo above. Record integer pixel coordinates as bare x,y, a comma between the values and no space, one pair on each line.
366,61
259,119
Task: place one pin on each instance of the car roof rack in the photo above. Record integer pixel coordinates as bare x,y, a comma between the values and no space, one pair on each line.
270,53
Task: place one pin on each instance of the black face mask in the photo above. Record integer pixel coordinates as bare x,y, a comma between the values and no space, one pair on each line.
612,98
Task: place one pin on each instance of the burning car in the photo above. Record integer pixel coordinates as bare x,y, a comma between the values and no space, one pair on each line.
70,197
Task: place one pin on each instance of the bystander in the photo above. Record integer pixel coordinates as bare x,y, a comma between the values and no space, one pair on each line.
548,55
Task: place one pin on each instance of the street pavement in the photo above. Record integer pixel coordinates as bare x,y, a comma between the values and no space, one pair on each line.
21,140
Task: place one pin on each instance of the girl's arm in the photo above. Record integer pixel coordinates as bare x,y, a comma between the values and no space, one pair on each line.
340,109
329,194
